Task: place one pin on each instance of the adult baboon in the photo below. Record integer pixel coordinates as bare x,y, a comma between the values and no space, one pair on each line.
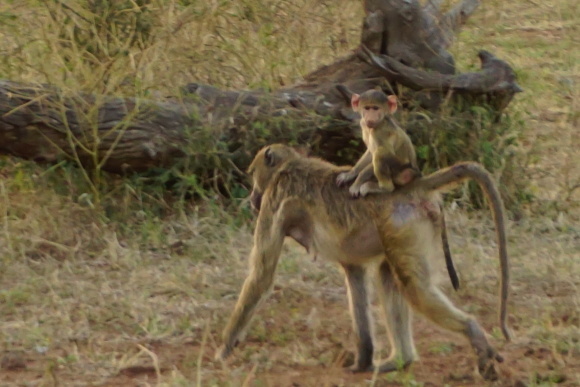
297,197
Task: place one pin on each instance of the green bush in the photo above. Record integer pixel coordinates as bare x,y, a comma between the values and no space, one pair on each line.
474,134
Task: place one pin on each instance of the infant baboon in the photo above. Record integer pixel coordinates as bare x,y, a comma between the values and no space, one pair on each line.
390,156
388,147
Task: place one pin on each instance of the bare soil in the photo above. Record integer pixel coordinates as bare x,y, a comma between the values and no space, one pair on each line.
308,341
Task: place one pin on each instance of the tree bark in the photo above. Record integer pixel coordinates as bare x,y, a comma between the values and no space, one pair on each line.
401,43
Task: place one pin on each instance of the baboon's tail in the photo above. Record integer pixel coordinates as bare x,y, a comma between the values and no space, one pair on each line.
446,178
447,253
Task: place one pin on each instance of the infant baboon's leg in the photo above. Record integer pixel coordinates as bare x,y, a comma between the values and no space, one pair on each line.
371,187
358,301
398,317
382,171
363,177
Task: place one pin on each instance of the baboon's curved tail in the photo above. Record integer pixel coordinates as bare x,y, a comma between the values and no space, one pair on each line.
446,178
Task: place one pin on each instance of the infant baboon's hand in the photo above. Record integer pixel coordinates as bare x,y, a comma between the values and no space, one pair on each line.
344,178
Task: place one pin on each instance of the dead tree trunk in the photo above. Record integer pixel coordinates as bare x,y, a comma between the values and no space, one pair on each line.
402,43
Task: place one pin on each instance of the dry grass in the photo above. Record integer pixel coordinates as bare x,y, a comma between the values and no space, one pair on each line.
134,288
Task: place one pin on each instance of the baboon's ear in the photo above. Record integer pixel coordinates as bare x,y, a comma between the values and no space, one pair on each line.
392,102
269,157
354,101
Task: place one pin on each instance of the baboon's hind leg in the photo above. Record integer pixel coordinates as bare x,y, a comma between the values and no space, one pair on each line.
358,301
431,302
398,317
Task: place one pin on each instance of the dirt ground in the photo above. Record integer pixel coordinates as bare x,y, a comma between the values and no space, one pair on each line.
303,337
452,364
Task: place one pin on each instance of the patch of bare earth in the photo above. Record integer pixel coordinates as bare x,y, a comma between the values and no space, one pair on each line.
302,335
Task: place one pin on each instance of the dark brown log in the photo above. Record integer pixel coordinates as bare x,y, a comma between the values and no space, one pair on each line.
38,123
408,33
126,134
495,76
408,43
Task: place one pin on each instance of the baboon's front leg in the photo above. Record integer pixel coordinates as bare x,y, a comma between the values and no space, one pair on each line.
398,317
358,301
268,239
364,177
346,177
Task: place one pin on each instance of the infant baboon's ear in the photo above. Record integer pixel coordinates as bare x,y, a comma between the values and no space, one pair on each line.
392,101
354,101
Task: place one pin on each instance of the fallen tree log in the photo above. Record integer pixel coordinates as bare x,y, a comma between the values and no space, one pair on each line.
401,43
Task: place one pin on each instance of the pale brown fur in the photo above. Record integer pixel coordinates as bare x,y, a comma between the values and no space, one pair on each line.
297,197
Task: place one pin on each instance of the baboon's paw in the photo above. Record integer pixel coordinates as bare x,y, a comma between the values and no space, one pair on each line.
364,190
394,365
357,368
222,353
354,191
344,178
487,369
486,363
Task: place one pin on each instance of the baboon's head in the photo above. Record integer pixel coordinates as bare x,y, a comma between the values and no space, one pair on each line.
373,106
265,165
